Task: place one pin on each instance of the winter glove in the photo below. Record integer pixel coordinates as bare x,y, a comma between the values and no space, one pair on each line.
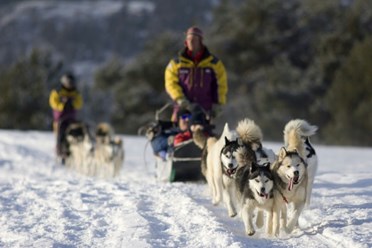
183,102
216,110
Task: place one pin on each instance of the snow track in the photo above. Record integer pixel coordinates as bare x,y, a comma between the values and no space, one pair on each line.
44,205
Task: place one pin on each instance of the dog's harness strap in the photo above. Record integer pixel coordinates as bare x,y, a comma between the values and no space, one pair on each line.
284,198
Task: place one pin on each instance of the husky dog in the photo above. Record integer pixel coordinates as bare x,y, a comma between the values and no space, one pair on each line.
221,167
255,184
80,147
294,173
297,136
108,153
291,179
251,136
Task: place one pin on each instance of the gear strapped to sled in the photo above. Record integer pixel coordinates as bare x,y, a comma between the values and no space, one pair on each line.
182,162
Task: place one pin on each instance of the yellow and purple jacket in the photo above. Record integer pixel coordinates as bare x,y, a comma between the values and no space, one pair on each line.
204,83
64,103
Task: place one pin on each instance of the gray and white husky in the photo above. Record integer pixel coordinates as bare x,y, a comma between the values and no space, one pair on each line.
291,178
108,152
294,173
297,136
255,184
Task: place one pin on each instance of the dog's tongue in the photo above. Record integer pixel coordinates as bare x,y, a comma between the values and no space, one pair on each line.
230,171
290,184
264,195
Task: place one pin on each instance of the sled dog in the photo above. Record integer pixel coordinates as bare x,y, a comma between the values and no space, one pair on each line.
80,147
108,152
251,135
291,178
255,184
221,166
297,136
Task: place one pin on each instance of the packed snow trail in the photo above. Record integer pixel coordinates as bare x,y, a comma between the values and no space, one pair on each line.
42,204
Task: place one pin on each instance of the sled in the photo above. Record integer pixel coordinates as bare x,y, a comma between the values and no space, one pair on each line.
181,165
183,162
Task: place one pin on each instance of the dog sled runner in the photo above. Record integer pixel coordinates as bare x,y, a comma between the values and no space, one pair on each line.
183,161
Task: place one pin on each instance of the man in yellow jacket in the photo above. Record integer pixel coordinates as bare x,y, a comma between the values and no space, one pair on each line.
196,76
64,101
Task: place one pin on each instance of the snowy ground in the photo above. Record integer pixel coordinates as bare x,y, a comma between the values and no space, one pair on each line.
44,205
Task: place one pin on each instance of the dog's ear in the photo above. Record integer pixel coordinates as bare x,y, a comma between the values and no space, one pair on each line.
266,165
282,153
254,167
227,141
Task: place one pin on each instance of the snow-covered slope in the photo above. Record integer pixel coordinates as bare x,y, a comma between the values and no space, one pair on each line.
44,205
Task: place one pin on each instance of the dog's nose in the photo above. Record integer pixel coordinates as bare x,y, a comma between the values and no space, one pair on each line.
231,165
296,173
262,190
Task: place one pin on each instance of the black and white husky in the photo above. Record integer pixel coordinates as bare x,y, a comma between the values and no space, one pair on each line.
255,184
80,147
221,166
294,173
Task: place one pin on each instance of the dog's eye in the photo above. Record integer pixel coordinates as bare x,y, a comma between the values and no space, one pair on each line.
266,180
257,180
298,165
288,166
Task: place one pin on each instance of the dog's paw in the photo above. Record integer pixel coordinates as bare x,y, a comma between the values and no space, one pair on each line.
292,225
250,232
232,215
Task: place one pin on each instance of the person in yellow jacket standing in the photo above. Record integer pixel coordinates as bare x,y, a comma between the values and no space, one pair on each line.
196,76
65,101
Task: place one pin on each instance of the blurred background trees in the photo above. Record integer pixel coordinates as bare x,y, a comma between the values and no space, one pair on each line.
285,59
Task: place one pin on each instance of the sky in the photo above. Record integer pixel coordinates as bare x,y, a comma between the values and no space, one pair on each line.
43,204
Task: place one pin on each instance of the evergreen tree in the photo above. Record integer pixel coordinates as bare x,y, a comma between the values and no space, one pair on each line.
350,98
25,90
137,91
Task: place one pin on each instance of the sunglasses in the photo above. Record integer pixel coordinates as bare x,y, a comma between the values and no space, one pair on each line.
185,116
